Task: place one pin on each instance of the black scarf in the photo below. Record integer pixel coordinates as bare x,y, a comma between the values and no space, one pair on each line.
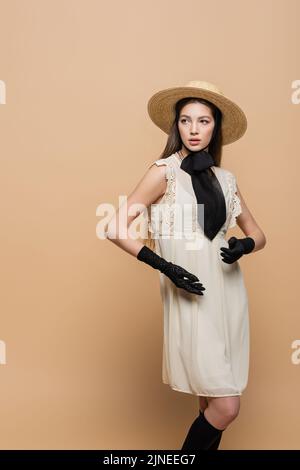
208,191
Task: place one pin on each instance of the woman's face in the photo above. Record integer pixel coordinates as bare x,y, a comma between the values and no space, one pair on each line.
195,122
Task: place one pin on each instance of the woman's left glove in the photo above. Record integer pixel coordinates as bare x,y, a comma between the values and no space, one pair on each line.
237,248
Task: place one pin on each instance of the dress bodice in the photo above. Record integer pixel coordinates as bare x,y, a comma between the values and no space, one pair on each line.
176,212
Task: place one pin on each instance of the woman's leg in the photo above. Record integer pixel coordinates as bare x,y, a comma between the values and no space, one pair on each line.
203,403
221,411
216,413
216,443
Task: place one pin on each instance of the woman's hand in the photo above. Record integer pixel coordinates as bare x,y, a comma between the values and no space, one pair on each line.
180,276
237,248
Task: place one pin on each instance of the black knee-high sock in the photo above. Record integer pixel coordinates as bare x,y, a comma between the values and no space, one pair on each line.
216,442
202,434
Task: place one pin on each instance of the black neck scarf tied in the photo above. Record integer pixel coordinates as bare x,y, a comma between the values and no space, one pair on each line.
208,191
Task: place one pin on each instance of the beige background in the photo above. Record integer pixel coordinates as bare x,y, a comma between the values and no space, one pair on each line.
81,320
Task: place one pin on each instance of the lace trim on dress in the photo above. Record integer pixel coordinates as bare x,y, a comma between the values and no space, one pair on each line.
235,202
163,222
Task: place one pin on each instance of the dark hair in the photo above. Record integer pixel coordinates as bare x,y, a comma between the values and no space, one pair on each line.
174,142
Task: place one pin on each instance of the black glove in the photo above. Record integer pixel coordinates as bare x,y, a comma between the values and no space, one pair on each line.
237,248
177,274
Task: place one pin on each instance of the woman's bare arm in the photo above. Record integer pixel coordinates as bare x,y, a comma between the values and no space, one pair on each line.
148,190
249,226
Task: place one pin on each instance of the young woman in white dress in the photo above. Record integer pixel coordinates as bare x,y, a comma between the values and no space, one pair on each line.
199,120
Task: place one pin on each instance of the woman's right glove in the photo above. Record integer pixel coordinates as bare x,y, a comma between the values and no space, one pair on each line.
177,274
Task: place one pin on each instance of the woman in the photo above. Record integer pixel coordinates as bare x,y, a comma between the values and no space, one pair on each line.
191,203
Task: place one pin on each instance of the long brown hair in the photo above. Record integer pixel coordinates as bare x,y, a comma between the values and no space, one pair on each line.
174,142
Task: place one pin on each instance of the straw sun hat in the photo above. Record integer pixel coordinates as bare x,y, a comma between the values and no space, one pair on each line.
161,108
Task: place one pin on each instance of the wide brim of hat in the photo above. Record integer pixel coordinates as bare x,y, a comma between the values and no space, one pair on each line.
161,109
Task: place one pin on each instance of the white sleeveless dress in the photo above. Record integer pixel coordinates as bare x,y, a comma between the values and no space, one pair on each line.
206,337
